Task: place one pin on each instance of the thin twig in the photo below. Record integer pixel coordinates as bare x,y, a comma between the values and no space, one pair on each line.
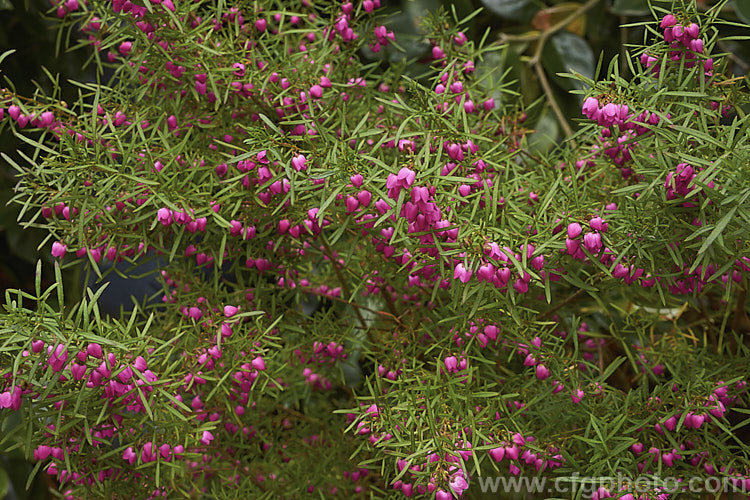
535,60
563,303
345,288
552,101
544,35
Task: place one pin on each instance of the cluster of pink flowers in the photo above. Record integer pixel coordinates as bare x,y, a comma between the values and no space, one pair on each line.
680,37
679,184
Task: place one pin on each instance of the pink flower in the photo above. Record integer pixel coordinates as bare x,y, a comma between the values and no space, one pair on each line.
451,363
299,162
59,249
455,152
668,21
11,399
461,273
592,242
458,484
364,197
572,246
129,455
239,69
497,454
406,177
357,180
577,396
574,230
443,495
207,437
125,48
140,364
42,452
14,111
598,224
94,350
259,364
164,215
591,108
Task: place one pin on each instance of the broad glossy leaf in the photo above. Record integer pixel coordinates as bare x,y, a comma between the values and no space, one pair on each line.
565,52
742,8
630,7
546,18
545,136
510,9
4,483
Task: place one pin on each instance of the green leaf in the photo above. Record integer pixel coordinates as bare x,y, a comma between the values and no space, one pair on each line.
742,8
568,52
630,7
545,136
511,9
4,483
7,52
717,230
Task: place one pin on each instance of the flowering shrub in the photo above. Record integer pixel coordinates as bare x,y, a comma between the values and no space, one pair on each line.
374,285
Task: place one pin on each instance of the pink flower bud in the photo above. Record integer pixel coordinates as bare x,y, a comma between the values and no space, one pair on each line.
207,437
125,48
668,21
597,224
497,454
259,364
14,111
129,455
59,249
140,364
316,91
94,350
542,372
451,363
574,230
364,197
693,31
164,215
42,452
443,495
577,396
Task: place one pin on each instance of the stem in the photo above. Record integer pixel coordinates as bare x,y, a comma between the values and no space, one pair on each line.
552,101
544,35
566,301
535,61
345,288
623,42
